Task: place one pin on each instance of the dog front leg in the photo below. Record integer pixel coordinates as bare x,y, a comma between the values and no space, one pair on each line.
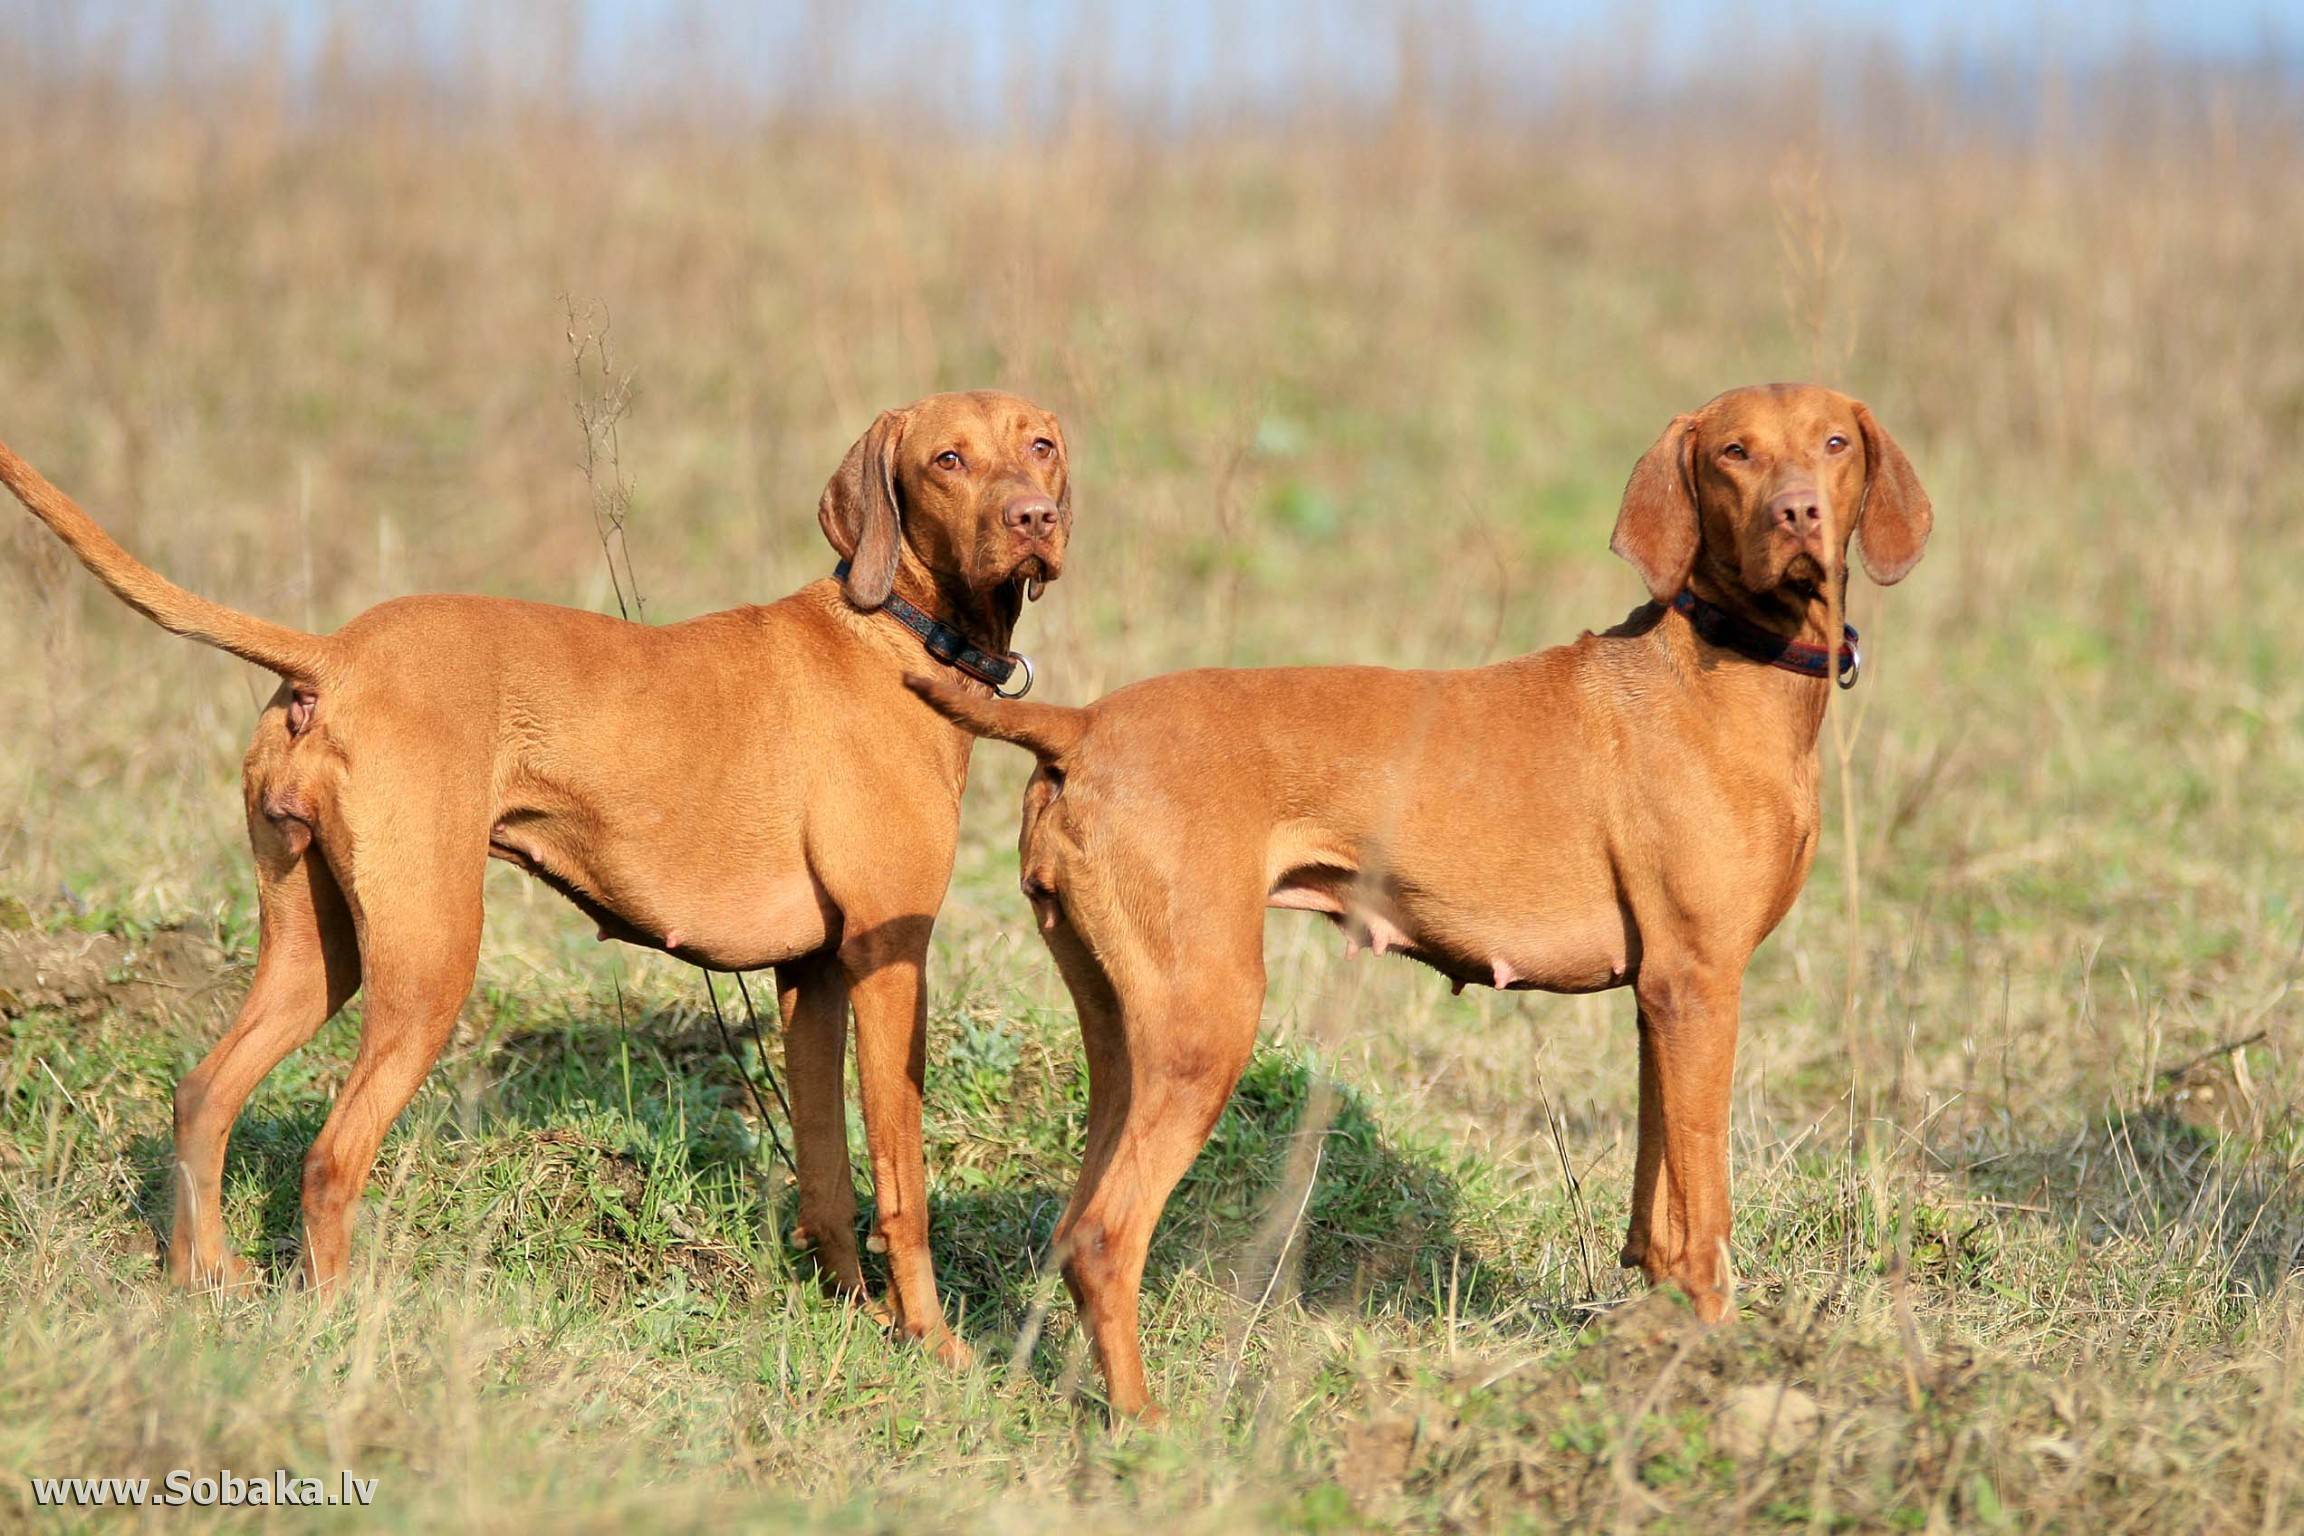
1651,1212
1680,1213
887,983
812,996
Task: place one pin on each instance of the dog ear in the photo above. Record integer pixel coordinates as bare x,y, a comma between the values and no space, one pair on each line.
1656,530
1892,527
859,511
1034,586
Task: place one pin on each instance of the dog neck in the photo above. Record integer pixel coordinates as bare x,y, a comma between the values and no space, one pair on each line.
963,630
1799,614
1794,699
1727,630
987,618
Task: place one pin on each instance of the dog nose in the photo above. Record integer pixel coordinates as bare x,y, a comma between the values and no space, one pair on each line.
1032,516
1798,512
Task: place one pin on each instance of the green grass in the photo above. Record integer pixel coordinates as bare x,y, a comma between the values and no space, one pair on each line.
571,1298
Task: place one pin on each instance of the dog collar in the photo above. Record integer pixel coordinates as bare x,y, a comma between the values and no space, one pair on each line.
953,648
1746,638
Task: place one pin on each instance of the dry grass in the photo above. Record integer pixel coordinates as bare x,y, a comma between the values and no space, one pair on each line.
1353,387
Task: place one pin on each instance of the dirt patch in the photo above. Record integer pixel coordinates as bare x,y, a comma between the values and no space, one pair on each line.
92,976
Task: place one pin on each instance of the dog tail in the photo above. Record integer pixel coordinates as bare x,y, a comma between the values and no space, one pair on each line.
1047,731
289,652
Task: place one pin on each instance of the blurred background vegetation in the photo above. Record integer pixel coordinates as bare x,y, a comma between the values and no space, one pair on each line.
1357,317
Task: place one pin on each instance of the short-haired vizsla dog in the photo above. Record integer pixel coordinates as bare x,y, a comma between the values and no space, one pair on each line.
1636,809
751,788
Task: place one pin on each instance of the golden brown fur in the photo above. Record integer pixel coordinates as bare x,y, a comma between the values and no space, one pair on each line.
1634,809
751,788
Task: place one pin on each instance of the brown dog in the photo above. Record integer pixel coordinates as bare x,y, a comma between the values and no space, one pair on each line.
752,788
1636,809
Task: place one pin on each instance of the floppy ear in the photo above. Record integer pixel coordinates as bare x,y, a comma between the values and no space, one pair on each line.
859,512
1036,585
1063,463
1892,527
1656,527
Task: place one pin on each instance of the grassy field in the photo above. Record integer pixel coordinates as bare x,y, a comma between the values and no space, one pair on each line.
2016,1142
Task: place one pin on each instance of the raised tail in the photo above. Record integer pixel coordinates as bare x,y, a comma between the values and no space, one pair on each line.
289,652
1048,731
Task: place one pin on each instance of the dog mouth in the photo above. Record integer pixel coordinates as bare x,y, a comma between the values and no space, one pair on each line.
1035,571
1803,576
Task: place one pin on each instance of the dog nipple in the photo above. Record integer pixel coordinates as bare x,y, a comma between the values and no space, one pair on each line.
601,937
672,938
1455,986
1505,975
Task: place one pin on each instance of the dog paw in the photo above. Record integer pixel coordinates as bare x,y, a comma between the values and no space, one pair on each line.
230,1272
951,1351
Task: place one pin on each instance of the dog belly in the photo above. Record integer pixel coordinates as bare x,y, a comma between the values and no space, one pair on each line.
1582,951
1580,946
765,925
724,920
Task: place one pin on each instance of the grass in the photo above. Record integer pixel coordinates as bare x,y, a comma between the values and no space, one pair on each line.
572,1301
2017,1198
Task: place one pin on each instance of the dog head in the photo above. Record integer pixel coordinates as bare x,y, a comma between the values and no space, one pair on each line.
1759,492
972,490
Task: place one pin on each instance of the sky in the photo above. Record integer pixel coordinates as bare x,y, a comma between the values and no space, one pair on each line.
1180,57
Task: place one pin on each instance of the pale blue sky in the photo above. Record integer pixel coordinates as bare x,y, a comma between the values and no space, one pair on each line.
1181,57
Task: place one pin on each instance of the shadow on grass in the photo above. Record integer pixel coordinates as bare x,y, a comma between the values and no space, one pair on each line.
267,1150
1391,1225
2217,1199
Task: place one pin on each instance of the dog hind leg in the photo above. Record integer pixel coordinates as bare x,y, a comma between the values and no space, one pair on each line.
417,902
1164,1054
307,966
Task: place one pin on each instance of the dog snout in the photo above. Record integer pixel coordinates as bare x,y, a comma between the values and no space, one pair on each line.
1799,512
1032,516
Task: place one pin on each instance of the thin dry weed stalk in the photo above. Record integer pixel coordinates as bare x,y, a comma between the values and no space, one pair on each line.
1574,1188
603,398
1276,1249
1811,246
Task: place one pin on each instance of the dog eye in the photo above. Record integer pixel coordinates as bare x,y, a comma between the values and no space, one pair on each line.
1835,444
947,460
1041,447
1735,451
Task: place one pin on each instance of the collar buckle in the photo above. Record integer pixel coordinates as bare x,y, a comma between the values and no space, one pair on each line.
944,643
